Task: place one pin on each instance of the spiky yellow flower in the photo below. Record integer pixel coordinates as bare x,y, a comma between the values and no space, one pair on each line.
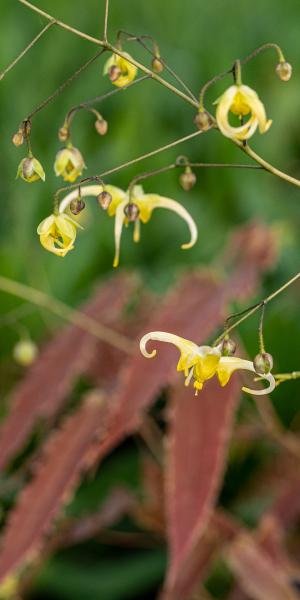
137,207
201,363
120,71
30,169
58,233
241,101
69,163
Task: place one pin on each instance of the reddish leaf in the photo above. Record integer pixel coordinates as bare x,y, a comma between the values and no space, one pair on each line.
66,455
199,432
256,572
42,392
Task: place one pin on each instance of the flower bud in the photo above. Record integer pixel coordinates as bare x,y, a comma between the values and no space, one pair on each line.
114,73
101,126
284,71
228,347
131,212
157,65
263,363
63,133
18,138
187,179
203,120
77,205
104,199
30,169
25,352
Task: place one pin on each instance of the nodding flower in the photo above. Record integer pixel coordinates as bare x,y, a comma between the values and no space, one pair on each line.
241,101
120,70
58,233
30,169
201,363
69,163
136,207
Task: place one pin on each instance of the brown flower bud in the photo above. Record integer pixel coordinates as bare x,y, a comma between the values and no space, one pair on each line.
263,363
187,179
77,205
104,199
157,65
114,73
228,347
203,120
132,212
284,71
18,138
63,133
101,126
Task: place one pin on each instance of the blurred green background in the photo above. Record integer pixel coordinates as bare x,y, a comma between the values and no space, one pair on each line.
198,39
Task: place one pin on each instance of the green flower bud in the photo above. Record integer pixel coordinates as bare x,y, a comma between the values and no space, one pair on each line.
263,363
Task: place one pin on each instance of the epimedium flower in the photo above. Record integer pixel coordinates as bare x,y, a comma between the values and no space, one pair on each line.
201,363
120,70
136,206
58,233
241,101
69,163
30,169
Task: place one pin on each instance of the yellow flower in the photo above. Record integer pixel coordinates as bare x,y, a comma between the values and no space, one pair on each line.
30,169
144,203
69,164
120,71
242,101
203,362
58,233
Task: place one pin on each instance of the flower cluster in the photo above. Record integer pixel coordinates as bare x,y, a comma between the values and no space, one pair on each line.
201,363
134,206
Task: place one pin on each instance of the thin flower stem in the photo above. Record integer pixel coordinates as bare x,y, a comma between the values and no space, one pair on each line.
261,49
209,83
61,88
106,20
155,53
253,309
81,34
267,166
84,105
63,311
287,376
32,43
260,329
133,161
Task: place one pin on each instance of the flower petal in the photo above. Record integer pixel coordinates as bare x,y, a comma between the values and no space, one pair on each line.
229,364
185,346
148,202
119,221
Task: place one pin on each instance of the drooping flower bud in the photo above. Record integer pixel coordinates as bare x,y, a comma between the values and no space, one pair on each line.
131,212
157,65
25,352
18,138
228,347
101,126
203,120
104,199
63,133
30,169
284,71
263,363
187,179
77,205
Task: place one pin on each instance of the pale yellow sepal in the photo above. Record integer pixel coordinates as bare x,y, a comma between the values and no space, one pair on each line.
30,170
69,163
58,233
242,101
